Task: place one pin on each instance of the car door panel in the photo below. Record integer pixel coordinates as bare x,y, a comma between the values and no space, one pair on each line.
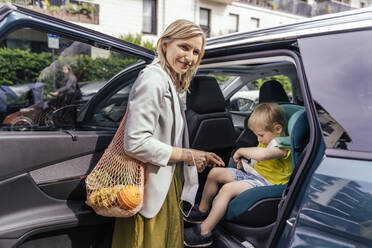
28,209
39,149
336,205
333,206
42,172
44,195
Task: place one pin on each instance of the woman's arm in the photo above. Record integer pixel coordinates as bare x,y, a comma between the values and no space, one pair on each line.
145,100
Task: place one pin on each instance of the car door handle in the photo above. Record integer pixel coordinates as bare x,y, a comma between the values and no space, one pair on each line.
291,221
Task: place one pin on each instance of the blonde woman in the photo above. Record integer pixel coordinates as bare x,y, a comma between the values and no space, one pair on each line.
156,133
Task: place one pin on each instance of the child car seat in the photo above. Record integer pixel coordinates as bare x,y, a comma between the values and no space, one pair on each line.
251,215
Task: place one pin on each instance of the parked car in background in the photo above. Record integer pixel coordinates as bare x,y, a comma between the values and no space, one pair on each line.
327,202
89,89
244,100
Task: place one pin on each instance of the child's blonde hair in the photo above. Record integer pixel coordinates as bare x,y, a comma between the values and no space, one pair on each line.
265,116
180,29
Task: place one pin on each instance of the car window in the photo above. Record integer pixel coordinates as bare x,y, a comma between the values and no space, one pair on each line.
42,72
109,112
341,88
240,85
247,97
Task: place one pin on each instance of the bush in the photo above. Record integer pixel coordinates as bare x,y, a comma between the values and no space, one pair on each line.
137,40
21,66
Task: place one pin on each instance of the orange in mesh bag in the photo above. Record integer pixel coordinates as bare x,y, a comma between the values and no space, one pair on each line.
115,186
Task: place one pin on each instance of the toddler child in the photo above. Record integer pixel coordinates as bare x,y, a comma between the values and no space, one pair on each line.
268,165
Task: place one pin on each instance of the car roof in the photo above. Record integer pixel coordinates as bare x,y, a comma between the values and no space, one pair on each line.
330,23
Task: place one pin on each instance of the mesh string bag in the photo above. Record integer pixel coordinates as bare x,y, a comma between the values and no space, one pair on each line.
116,184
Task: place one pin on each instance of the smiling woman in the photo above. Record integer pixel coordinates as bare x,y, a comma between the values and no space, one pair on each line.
180,51
156,134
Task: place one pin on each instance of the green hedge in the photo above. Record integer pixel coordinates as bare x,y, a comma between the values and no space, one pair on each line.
21,66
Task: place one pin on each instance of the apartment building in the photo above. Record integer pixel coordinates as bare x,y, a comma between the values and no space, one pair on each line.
150,17
216,17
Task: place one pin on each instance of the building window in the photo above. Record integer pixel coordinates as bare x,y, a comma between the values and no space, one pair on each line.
205,19
255,22
233,23
149,16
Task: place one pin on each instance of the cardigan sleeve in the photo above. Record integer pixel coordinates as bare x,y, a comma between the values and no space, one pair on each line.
144,105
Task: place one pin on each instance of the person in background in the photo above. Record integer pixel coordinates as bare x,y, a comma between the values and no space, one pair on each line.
70,86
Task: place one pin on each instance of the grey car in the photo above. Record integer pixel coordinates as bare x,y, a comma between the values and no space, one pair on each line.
323,63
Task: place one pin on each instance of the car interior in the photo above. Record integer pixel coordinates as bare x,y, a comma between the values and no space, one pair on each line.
250,216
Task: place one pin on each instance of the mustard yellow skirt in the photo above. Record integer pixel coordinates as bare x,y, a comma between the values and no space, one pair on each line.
165,230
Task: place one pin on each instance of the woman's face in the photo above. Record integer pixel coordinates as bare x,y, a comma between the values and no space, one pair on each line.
182,54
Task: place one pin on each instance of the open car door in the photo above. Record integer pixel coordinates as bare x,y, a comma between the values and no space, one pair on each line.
47,150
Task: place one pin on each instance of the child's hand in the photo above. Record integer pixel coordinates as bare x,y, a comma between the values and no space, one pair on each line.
239,165
237,155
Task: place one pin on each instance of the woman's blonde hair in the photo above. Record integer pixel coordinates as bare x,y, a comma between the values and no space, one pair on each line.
180,29
265,116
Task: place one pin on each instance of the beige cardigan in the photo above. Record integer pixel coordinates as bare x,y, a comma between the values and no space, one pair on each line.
154,119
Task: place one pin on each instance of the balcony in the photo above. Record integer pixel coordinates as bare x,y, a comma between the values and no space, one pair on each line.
295,7
75,11
301,8
328,7
222,1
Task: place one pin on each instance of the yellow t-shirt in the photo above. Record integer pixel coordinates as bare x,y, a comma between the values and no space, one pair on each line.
278,170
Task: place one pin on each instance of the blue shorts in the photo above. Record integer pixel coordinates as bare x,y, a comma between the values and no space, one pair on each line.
255,181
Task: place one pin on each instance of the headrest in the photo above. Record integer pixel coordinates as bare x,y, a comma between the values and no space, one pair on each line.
289,109
298,128
205,96
297,123
272,91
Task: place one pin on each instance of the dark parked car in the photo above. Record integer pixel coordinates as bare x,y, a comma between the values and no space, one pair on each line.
323,63
89,89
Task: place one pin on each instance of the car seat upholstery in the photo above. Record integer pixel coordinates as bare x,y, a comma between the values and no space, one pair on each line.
255,210
209,123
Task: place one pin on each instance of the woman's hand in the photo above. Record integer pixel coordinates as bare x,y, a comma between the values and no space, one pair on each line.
202,159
